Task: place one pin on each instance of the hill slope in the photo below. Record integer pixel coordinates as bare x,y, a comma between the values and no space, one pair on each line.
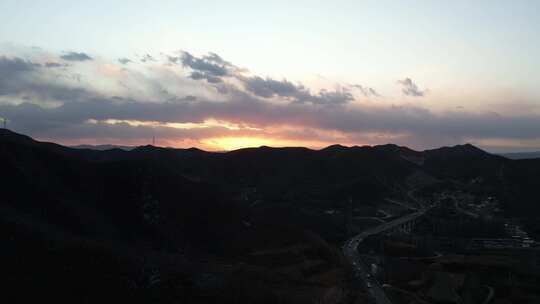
150,220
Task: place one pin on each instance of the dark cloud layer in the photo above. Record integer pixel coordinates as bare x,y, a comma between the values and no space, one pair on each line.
74,56
420,127
21,79
15,65
12,71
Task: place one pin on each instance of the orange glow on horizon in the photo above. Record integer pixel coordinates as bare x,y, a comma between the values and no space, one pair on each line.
234,143
219,138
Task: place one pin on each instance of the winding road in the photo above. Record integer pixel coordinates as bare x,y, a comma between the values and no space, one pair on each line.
350,249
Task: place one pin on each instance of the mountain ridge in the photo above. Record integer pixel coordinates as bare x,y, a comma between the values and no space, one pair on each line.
8,134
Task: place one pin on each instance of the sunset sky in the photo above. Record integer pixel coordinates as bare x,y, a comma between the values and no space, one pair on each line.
222,75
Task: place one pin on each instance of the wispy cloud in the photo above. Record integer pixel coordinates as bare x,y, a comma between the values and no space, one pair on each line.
55,65
148,58
74,56
410,88
124,60
366,91
210,67
268,88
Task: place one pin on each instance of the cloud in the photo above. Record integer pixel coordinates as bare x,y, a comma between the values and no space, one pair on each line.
410,88
174,59
326,97
210,67
215,70
148,58
124,60
13,72
22,79
18,65
40,103
366,91
55,65
195,75
268,87
74,56
15,65
406,125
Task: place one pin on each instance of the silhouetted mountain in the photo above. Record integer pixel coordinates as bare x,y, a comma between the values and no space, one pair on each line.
103,147
463,162
117,219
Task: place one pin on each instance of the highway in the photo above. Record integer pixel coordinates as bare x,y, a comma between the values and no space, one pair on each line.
458,208
360,269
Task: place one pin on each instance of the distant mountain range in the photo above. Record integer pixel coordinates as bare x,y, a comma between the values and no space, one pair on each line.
277,173
522,155
120,220
512,155
103,147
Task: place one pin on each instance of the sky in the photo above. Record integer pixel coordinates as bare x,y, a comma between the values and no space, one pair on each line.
222,75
